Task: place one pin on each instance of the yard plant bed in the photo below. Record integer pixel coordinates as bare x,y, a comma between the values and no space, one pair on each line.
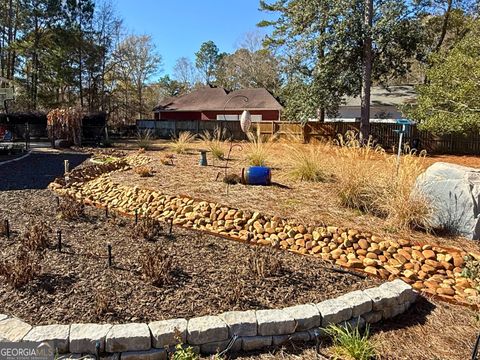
209,275
431,269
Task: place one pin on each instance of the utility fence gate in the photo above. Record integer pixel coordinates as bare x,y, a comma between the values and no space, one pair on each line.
383,133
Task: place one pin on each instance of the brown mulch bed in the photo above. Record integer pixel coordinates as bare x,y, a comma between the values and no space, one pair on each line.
209,274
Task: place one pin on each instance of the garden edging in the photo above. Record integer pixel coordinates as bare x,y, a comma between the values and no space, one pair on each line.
236,330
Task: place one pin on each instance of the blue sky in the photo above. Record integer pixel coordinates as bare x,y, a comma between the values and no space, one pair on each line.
179,27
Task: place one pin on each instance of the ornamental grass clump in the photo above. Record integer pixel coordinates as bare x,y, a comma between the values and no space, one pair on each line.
358,169
264,263
349,343
215,142
144,139
308,163
367,179
258,149
180,144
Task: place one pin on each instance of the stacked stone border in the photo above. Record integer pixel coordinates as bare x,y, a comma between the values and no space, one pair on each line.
434,270
234,330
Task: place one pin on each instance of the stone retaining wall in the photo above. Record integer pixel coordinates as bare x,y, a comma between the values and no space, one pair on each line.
431,269
243,330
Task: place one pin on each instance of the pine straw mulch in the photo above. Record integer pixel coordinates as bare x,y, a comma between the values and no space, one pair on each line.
428,330
209,274
305,202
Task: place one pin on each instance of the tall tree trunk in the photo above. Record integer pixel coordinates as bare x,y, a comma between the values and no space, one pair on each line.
13,58
9,39
444,26
366,72
80,60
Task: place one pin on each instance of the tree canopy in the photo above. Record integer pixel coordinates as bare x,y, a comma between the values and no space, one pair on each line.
450,101
323,42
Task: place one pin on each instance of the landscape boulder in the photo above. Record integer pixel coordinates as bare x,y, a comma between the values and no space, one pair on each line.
454,193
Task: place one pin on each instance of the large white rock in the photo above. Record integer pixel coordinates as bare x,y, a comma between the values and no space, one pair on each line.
454,192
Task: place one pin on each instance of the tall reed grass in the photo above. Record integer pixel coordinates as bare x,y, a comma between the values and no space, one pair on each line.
181,142
215,142
258,149
144,139
368,180
307,162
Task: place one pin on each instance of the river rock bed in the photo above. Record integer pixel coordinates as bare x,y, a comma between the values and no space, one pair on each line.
432,269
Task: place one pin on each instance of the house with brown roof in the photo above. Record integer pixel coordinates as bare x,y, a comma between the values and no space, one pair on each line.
209,103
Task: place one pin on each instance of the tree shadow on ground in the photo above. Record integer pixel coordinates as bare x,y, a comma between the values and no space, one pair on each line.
52,283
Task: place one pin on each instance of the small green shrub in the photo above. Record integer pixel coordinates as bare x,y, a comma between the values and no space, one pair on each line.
350,343
184,353
471,269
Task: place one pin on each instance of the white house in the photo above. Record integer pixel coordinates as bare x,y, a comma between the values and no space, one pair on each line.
384,104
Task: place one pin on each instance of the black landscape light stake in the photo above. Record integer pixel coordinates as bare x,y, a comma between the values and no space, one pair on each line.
58,201
59,241
7,229
136,216
106,211
109,249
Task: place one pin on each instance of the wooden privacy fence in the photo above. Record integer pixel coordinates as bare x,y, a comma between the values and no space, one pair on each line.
383,133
